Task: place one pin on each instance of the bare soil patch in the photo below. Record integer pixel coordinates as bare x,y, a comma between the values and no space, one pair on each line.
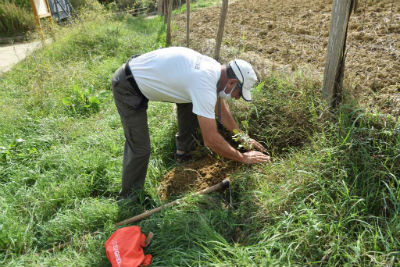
195,176
293,34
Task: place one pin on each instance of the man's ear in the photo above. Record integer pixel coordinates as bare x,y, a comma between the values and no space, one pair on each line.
232,83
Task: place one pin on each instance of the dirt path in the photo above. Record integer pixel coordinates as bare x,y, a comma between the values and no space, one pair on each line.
12,54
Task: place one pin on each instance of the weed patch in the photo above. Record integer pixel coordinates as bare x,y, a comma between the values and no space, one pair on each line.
81,102
284,113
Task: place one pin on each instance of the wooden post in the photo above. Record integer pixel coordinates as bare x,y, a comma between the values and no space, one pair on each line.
49,15
335,57
165,6
187,22
169,22
220,186
37,19
41,9
160,7
224,11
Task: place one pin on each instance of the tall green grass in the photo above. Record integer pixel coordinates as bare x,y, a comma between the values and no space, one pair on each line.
330,197
61,140
15,19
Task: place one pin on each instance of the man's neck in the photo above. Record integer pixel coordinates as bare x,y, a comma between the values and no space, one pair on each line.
222,80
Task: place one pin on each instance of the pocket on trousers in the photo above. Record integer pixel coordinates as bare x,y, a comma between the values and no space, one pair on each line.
136,102
127,103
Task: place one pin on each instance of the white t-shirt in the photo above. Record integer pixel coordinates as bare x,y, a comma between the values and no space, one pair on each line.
179,75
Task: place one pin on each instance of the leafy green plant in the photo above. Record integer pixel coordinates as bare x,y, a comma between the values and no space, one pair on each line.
81,102
243,137
17,150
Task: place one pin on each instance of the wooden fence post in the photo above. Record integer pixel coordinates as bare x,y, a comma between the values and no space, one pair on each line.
224,11
169,14
187,22
41,9
336,51
165,10
160,7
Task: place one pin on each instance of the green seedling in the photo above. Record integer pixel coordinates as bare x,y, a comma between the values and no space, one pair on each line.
242,137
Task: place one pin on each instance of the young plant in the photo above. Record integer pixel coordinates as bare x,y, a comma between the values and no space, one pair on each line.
242,136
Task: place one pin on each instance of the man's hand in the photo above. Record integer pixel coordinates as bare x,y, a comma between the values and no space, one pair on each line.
250,144
252,157
254,144
217,143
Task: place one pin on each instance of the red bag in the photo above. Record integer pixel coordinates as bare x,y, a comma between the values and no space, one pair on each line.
124,248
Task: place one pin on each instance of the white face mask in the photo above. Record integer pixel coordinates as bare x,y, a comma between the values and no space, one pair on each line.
224,95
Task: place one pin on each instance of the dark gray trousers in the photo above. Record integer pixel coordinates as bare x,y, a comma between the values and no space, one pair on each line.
188,126
136,130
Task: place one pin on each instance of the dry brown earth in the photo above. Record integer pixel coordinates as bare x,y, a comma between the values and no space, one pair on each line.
195,176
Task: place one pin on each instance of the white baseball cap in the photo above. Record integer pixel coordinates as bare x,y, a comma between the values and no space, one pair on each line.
246,76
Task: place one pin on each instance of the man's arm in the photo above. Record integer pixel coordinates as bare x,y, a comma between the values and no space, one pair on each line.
217,143
226,116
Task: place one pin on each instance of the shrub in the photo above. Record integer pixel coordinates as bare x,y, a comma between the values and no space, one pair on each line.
149,5
26,4
14,19
81,4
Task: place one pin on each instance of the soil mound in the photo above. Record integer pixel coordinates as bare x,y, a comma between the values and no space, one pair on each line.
195,176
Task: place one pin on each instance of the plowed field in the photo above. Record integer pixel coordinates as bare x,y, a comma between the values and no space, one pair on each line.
293,34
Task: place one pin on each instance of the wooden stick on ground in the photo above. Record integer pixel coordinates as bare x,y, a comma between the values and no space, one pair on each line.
222,185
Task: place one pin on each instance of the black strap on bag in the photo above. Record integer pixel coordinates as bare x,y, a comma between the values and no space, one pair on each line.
132,81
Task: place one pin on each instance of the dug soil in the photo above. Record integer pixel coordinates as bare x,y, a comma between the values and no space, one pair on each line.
293,34
195,176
